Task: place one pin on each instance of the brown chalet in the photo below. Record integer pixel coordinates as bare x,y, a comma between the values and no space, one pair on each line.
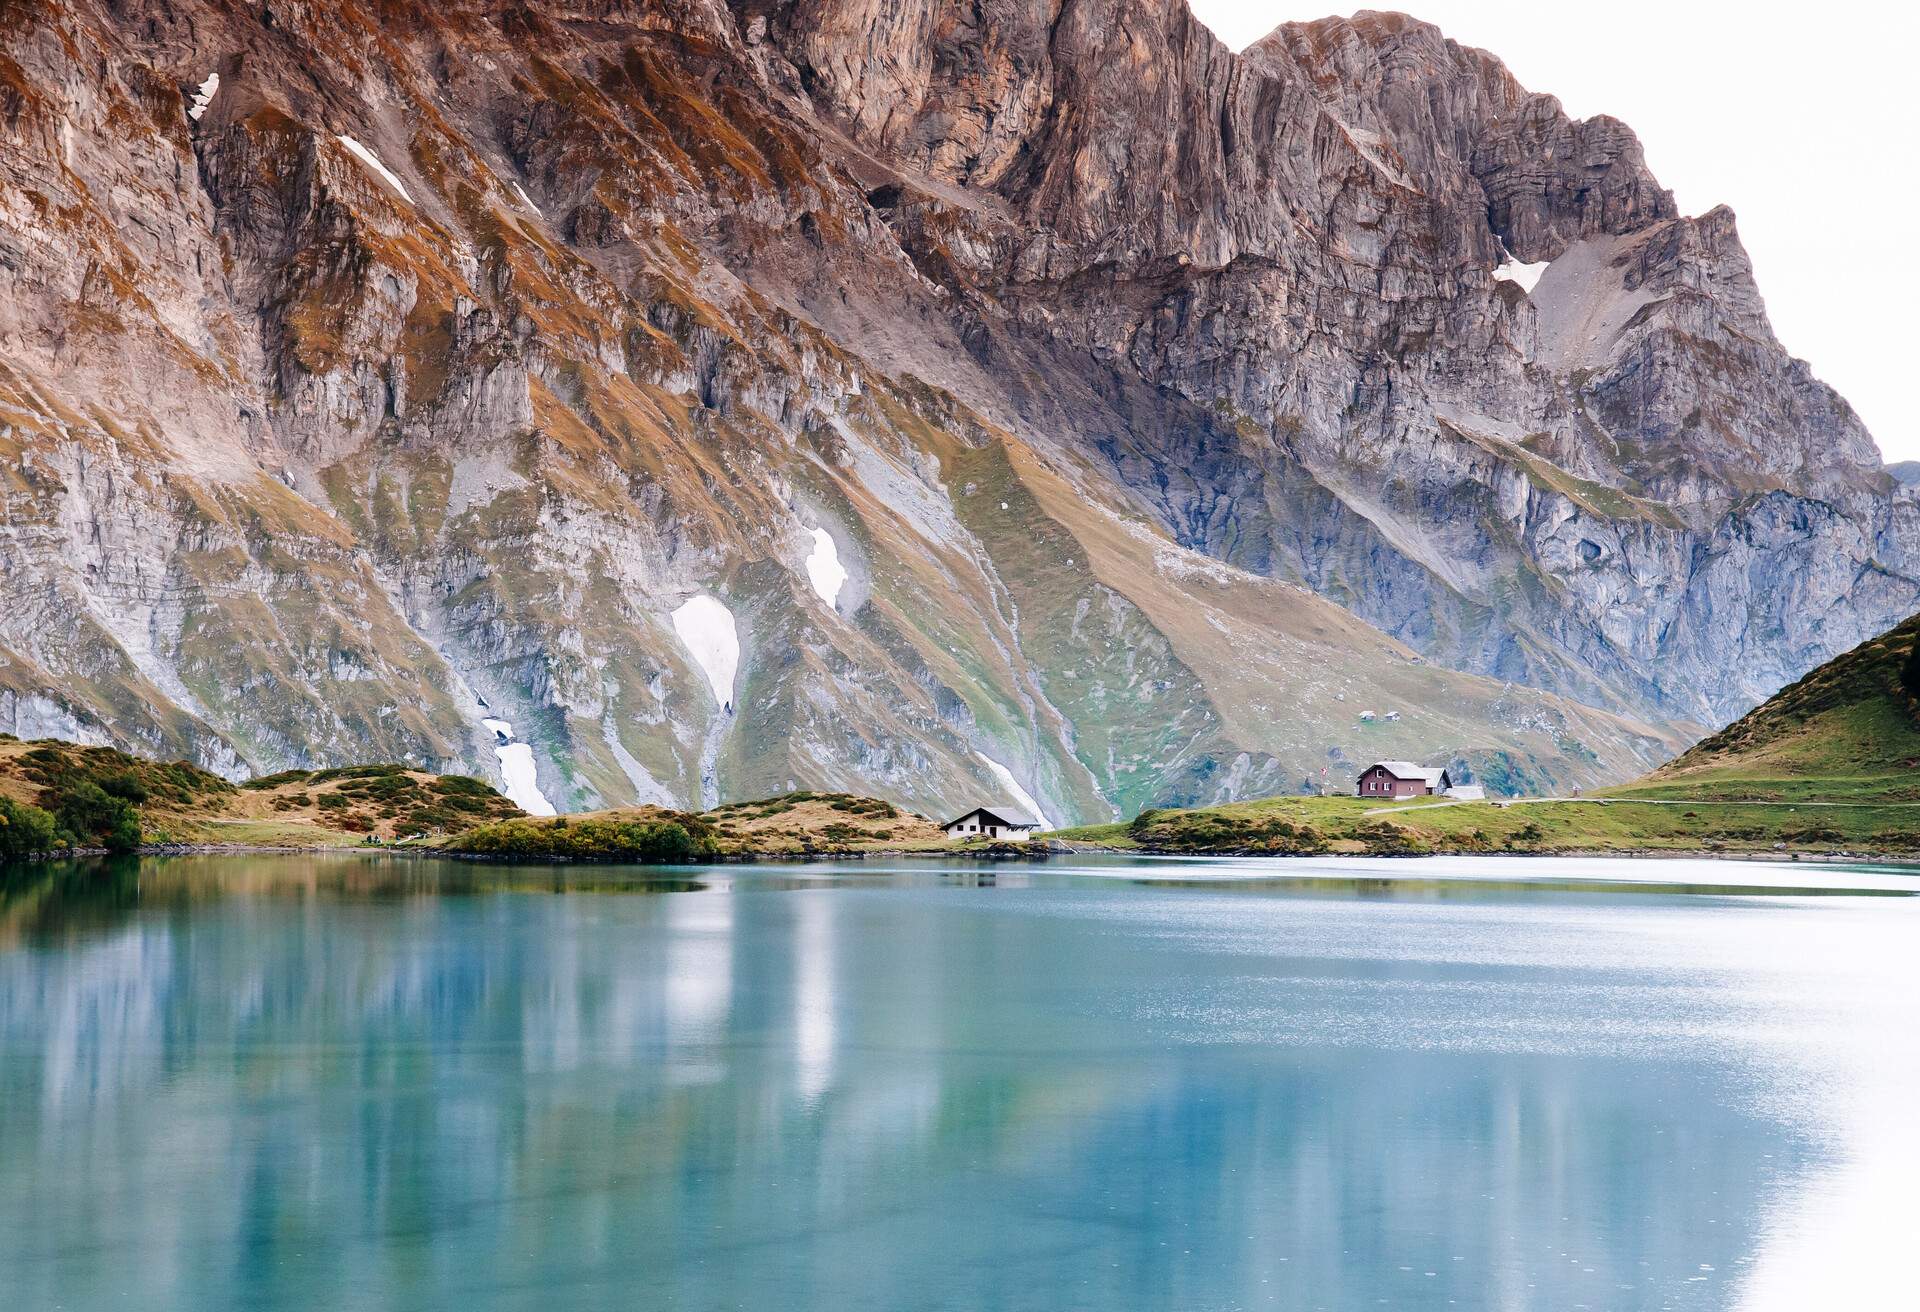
1401,779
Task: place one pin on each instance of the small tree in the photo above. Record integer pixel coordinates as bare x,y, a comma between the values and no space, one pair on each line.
96,818
124,785
24,830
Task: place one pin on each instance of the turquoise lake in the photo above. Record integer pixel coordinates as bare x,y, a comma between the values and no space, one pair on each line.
362,1082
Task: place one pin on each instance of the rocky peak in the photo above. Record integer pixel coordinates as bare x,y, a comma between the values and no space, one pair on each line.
1160,407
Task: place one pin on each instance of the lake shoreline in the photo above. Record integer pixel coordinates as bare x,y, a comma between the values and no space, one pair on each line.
1001,854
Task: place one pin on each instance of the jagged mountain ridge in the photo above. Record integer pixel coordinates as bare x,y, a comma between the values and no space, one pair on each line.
446,351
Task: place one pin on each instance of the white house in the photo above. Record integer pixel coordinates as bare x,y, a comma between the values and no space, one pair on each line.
992,822
1467,793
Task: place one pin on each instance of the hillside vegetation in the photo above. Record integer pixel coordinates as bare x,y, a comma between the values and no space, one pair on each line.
56,796
793,824
1826,765
102,797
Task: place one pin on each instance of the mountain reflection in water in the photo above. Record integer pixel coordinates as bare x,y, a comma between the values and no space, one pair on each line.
346,1081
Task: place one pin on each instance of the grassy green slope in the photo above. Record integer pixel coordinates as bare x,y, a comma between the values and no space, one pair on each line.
1827,764
1849,731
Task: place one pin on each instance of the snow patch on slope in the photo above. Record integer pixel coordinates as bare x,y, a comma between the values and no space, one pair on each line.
706,629
517,767
523,785
1015,793
372,161
824,569
1526,275
203,97
526,199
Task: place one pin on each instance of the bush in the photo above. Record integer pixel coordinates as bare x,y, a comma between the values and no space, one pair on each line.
124,785
267,781
24,830
1141,823
96,818
652,842
1528,835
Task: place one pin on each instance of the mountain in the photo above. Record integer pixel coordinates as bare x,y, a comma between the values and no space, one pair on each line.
915,400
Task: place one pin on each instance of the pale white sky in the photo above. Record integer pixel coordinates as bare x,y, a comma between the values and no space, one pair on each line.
1804,118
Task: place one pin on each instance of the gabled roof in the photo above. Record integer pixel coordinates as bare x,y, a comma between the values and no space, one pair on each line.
1007,817
1408,770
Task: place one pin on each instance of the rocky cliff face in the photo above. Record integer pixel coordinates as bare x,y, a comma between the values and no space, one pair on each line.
1013,389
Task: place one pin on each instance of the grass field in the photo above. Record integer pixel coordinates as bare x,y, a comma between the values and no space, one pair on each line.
1305,825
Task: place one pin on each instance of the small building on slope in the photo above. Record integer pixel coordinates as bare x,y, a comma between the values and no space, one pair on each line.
992,822
1391,779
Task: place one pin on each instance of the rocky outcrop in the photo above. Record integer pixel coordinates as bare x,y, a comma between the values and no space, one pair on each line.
419,369
1612,481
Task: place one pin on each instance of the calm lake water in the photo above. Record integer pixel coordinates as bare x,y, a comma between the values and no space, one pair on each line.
367,1082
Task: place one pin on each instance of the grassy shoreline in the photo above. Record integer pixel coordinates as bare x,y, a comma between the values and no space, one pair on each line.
1618,824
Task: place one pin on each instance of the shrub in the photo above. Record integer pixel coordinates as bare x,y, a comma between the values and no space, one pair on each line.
267,781
1141,823
95,818
652,842
124,785
1388,840
24,830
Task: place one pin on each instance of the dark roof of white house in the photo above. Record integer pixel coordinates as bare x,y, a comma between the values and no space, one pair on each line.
1007,817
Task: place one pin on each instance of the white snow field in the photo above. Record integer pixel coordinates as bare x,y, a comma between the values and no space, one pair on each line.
824,569
372,161
516,765
1527,275
203,97
523,788
1015,793
707,631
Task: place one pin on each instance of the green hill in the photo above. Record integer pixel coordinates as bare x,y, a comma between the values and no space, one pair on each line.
1849,731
